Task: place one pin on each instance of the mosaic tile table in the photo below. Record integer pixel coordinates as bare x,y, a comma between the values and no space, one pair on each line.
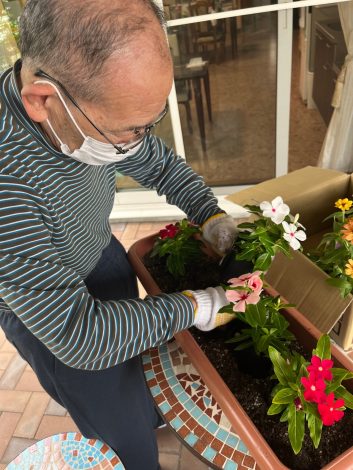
192,412
67,451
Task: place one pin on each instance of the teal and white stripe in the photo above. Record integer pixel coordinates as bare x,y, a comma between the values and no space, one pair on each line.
54,215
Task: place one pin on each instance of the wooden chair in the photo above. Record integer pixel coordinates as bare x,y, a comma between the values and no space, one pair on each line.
206,34
182,87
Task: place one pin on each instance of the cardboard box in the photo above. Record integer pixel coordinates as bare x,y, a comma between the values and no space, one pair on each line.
311,192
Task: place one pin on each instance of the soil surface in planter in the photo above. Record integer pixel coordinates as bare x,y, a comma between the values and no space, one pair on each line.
243,372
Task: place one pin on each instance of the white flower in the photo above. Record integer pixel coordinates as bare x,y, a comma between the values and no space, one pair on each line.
292,235
276,210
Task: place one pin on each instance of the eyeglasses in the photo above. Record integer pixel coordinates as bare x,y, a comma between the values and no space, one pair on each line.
140,133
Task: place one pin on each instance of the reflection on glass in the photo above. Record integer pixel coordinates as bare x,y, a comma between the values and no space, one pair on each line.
225,75
319,52
13,9
8,48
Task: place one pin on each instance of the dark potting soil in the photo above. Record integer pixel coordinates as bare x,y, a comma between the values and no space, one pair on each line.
247,375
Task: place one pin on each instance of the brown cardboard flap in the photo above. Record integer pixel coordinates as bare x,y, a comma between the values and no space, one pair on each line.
302,283
310,192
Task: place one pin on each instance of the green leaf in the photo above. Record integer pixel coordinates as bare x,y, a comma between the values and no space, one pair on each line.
256,314
338,376
284,416
227,309
323,347
296,426
275,408
262,343
342,392
284,396
245,345
280,366
263,262
315,428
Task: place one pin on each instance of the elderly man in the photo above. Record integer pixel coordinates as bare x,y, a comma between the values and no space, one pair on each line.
93,80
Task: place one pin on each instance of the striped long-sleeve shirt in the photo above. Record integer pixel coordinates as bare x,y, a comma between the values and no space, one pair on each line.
54,224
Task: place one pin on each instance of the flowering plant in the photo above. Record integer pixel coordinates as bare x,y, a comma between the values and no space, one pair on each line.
309,392
266,325
179,244
273,230
334,255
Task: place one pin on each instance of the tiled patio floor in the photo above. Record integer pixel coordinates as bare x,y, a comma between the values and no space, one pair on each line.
28,414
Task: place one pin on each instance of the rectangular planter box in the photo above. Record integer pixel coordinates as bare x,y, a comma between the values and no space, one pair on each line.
301,327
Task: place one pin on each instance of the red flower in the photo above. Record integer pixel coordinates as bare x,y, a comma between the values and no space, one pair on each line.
314,388
298,404
329,411
321,368
169,231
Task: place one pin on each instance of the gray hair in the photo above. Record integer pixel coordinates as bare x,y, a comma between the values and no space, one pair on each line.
72,40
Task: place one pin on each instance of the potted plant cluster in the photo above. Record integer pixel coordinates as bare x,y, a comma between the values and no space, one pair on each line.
334,254
303,389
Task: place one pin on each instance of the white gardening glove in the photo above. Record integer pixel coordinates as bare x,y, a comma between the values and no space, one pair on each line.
209,302
220,231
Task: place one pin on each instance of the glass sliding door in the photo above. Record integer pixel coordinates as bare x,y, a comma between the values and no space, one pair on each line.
9,52
225,78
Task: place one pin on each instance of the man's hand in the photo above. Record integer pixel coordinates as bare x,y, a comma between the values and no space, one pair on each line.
208,302
220,231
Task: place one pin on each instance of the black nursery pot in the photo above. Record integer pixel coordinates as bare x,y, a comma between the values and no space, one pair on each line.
251,363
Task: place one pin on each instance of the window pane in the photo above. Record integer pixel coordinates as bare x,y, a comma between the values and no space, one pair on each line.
319,51
229,129
9,12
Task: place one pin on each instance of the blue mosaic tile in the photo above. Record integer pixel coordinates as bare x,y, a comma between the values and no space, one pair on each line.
222,435
169,373
232,441
204,420
146,359
230,465
209,453
196,413
165,407
176,423
207,401
242,447
172,381
191,439
212,427
156,390
179,390
149,374
189,405
183,397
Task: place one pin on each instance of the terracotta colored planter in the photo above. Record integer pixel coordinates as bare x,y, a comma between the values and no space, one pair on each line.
304,331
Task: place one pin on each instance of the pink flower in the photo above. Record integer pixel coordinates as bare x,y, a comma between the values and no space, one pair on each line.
241,299
321,368
314,388
251,280
255,283
169,231
329,411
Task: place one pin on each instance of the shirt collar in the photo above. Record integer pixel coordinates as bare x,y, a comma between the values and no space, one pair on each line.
11,94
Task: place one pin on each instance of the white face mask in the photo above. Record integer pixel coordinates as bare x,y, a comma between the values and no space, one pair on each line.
92,151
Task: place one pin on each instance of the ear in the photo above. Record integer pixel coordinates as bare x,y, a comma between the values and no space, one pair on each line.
34,97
